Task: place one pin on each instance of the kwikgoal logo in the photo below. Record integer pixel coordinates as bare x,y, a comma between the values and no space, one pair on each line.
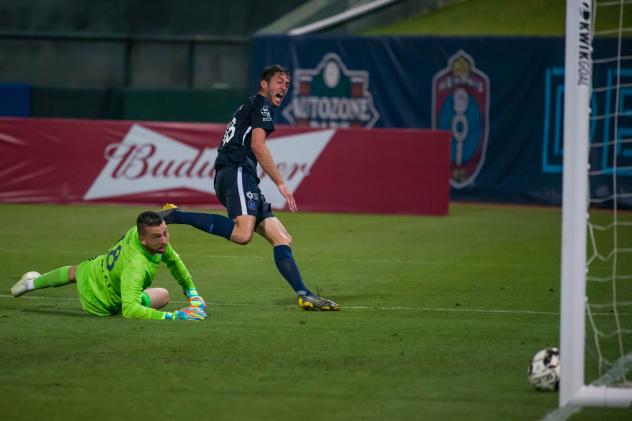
331,96
584,60
146,161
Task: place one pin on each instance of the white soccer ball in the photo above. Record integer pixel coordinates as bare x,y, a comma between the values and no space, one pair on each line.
544,370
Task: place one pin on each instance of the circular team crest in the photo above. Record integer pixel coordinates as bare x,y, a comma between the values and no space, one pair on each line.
460,104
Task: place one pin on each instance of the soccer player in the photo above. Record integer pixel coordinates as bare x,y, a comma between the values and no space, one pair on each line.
119,281
237,185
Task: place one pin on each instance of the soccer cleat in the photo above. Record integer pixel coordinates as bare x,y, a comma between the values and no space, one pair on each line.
25,284
314,302
166,211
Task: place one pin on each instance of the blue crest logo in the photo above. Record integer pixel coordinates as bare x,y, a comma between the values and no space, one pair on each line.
460,104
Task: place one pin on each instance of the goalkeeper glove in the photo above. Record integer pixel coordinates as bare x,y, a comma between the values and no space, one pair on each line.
195,300
187,313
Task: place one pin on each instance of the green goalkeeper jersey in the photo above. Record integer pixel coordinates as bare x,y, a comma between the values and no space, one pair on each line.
114,283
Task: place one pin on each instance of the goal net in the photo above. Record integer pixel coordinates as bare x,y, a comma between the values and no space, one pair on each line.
596,304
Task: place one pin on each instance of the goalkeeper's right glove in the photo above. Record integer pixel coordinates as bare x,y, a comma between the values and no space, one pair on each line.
188,313
194,298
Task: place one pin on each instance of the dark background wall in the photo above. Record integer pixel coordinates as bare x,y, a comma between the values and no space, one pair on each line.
211,17
138,59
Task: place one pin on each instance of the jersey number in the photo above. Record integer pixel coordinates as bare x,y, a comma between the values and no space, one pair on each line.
230,131
113,256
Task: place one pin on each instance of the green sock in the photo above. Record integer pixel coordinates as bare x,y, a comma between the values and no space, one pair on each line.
54,278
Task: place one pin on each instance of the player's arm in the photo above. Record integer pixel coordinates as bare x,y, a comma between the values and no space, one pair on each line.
182,275
131,293
264,157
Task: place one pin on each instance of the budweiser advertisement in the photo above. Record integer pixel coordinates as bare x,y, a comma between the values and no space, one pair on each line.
336,170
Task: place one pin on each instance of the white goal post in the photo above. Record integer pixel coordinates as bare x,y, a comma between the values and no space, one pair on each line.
577,97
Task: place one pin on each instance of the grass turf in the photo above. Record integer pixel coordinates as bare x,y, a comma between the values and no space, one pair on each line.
496,17
440,318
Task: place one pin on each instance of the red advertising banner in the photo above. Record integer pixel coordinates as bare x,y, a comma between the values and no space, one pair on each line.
337,170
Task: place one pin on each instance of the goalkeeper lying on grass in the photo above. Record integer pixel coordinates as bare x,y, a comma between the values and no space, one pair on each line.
118,282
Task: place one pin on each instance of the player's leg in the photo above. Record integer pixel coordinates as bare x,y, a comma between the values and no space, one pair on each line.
232,187
33,280
155,298
238,231
273,230
244,228
210,223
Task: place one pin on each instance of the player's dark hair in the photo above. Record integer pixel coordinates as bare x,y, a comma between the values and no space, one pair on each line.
147,219
270,71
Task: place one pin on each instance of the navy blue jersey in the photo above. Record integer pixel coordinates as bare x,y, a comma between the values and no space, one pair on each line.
235,150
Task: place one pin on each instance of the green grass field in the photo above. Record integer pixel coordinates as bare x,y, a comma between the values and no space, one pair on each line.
496,17
440,318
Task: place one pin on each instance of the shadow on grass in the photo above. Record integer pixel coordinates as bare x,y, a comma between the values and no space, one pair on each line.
284,301
56,312
340,298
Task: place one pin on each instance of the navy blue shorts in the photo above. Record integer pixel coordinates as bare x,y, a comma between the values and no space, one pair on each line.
239,192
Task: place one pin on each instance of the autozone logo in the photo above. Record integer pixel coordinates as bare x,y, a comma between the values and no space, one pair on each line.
331,95
147,161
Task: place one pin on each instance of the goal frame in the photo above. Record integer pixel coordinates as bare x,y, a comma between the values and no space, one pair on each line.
577,95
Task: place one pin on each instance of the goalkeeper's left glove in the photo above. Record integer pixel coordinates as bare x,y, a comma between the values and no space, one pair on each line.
187,313
194,298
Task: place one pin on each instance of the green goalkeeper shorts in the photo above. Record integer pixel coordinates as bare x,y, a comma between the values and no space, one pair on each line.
145,300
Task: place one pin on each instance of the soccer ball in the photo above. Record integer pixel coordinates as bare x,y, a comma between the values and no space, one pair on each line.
544,370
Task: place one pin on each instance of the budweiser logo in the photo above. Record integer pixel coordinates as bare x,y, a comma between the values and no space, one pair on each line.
147,161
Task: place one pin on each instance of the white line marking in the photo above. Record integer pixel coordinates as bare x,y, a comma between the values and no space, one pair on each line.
86,254
36,297
347,307
561,414
386,308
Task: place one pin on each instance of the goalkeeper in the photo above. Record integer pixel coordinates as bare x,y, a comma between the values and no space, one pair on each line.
119,281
